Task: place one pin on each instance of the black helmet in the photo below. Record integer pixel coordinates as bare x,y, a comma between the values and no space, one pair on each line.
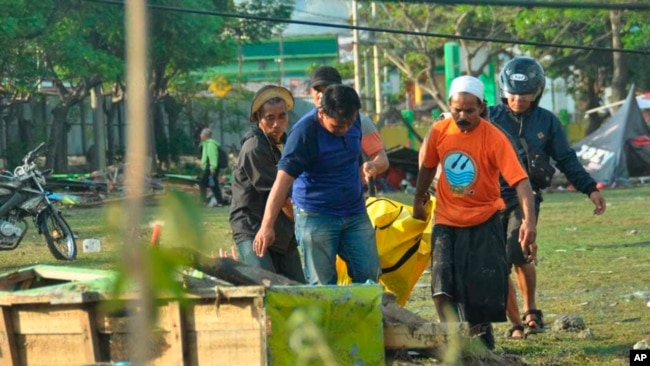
522,75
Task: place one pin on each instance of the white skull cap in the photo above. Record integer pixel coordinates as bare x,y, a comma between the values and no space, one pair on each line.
467,84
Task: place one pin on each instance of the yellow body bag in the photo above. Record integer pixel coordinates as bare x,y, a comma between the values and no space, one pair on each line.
403,243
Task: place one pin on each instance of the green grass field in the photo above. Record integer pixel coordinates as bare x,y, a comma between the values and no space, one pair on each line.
588,266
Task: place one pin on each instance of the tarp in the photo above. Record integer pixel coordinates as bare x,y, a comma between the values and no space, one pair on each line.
620,148
325,325
644,100
404,158
403,165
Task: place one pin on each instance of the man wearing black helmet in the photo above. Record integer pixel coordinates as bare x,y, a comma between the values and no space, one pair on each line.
538,136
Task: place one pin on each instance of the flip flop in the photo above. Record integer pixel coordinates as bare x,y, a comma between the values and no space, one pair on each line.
516,328
536,325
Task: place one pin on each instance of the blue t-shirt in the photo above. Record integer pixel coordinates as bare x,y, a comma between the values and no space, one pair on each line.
325,166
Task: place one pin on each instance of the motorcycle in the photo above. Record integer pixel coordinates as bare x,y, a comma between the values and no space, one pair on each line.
22,195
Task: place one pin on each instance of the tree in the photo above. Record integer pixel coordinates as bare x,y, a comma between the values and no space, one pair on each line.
591,71
79,52
185,42
199,107
415,56
77,45
418,57
21,69
112,107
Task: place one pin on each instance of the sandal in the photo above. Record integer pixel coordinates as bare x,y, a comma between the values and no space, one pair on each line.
535,325
516,328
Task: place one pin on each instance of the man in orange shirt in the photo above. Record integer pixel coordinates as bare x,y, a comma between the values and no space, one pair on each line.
469,268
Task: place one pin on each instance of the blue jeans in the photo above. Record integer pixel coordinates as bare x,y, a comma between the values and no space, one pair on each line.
286,264
323,236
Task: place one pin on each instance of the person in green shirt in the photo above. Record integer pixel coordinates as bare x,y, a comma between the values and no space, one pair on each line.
209,165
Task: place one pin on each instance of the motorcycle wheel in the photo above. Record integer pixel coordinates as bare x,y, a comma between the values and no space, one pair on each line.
59,237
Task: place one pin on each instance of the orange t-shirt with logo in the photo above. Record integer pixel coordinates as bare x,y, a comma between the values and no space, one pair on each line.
468,191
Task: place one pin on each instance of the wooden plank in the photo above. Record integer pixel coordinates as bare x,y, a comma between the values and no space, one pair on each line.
175,335
13,300
206,293
228,347
8,282
241,292
8,351
423,336
26,284
265,327
232,315
28,299
52,297
231,271
70,274
44,319
50,349
89,334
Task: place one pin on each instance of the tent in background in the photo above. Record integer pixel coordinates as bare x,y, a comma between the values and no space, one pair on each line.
403,165
644,100
620,148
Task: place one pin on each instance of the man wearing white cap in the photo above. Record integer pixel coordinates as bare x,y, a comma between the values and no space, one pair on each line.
469,268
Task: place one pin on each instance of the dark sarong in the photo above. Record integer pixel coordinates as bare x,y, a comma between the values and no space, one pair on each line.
469,265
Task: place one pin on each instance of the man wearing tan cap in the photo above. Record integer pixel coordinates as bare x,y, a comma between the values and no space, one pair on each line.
469,269
253,177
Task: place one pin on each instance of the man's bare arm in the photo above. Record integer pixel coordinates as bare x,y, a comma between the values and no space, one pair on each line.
528,229
376,165
425,177
277,198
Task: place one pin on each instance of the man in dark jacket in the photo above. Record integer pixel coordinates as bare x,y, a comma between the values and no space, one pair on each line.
253,177
538,136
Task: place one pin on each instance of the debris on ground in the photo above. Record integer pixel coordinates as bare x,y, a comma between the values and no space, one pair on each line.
570,323
586,334
637,295
642,344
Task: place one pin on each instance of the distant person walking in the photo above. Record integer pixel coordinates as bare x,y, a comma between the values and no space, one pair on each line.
209,165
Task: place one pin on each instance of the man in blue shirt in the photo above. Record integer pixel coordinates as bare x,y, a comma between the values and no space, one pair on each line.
322,160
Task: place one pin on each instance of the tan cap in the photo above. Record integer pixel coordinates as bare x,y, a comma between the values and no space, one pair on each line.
267,93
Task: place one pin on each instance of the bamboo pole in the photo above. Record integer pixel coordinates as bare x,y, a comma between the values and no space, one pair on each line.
136,152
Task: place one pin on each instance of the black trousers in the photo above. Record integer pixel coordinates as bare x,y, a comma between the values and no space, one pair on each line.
204,183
